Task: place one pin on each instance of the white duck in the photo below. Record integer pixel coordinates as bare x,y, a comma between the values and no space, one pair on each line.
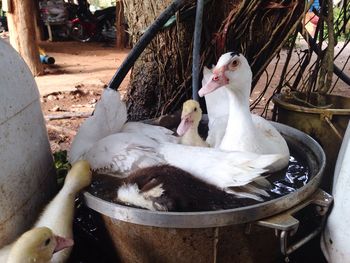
217,112
188,128
104,142
167,188
59,213
36,245
244,131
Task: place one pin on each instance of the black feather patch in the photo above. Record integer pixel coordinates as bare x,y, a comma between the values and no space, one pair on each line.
234,53
182,191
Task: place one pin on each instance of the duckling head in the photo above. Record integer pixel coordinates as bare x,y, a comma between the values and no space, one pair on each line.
37,245
78,177
232,71
190,117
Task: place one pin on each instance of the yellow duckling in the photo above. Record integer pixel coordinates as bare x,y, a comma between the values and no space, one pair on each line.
59,213
37,245
188,127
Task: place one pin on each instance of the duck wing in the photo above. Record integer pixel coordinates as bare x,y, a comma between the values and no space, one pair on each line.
272,141
157,133
121,153
109,117
220,168
112,147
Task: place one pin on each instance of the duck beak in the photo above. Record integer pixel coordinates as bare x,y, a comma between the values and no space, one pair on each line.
218,80
62,243
184,125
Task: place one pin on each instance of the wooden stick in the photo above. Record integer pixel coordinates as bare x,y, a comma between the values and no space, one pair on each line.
67,115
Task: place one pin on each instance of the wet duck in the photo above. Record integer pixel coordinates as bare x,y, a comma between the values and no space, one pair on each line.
110,148
59,213
243,131
167,188
36,245
188,128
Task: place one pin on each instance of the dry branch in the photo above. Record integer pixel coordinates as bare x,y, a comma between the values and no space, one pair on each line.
67,115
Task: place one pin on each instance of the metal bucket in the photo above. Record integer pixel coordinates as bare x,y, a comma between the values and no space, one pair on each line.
232,235
327,126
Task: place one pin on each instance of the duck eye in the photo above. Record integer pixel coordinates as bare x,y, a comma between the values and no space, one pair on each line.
47,241
195,109
234,63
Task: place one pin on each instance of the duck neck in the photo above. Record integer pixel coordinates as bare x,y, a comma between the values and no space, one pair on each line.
240,119
191,134
59,213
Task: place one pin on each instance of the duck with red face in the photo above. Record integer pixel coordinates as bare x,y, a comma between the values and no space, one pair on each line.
243,131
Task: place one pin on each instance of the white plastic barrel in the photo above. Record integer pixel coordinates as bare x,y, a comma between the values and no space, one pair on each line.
335,241
27,175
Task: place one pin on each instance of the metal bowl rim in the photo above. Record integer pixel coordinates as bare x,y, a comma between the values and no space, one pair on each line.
145,217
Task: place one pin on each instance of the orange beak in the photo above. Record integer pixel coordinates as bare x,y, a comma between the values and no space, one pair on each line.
218,80
62,243
185,124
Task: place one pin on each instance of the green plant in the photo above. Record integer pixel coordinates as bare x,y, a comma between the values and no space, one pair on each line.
342,23
62,166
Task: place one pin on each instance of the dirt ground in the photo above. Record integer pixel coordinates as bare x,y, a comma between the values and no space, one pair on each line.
73,85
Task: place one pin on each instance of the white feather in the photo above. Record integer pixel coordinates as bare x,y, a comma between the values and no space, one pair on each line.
217,109
220,168
231,125
109,117
130,194
121,153
157,133
4,253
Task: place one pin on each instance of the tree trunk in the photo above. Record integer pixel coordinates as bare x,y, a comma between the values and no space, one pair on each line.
23,34
120,25
161,78
38,23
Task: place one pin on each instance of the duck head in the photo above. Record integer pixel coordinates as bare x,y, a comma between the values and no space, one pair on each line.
37,245
190,117
232,71
78,177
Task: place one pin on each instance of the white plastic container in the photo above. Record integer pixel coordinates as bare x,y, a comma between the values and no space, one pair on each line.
27,175
335,241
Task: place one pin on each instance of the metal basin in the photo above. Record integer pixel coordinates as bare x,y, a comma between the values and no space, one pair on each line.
214,236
